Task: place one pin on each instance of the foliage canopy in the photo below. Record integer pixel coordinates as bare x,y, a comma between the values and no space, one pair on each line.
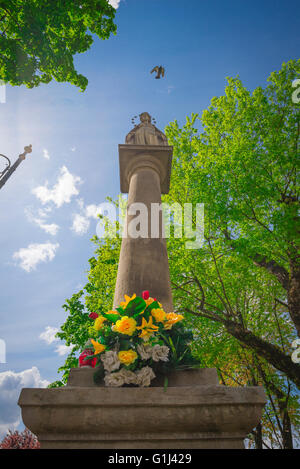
39,38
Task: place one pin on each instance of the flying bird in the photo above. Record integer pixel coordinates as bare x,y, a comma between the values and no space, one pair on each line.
160,71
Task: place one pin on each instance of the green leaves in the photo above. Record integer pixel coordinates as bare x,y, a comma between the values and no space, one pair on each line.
39,39
243,165
112,317
135,307
125,344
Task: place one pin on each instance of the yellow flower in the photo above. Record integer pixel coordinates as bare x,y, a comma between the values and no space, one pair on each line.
172,318
158,314
127,300
150,300
147,328
113,312
127,356
97,347
125,325
98,324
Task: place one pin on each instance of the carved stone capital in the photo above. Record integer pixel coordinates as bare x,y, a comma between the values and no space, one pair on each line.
155,157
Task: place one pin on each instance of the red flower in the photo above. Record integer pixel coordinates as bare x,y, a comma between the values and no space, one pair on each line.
93,315
145,295
82,362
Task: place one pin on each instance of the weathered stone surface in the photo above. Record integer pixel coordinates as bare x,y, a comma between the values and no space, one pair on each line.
194,416
181,417
204,376
143,263
84,377
157,157
146,133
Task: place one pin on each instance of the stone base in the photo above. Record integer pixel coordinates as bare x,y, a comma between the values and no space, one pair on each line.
84,377
185,416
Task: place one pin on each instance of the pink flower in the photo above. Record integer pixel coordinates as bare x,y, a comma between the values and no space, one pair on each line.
145,295
93,315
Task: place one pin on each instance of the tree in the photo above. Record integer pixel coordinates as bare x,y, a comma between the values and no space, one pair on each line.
17,440
39,38
244,167
240,366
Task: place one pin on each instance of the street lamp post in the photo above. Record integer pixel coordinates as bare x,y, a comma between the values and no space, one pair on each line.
7,172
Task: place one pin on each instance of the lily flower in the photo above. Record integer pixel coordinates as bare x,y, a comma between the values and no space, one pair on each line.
147,328
99,348
127,300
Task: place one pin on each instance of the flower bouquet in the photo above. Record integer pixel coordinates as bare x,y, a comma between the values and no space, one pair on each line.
138,341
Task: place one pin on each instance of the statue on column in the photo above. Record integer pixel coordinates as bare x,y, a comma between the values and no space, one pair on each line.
146,133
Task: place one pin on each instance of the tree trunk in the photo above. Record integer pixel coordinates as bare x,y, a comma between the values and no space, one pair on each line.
268,351
287,437
294,295
258,437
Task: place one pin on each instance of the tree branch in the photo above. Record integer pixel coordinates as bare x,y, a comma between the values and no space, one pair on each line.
266,350
271,266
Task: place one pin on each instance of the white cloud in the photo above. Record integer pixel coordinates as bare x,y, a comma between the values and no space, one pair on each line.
81,221
80,203
11,384
114,3
62,192
80,224
51,228
44,212
92,211
31,256
49,335
73,149
46,154
63,349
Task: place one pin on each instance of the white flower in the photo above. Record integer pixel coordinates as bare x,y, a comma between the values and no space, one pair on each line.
145,338
145,351
114,379
128,376
110,361
160,352
144,376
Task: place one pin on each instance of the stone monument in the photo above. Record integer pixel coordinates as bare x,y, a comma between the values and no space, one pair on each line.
145,167
195,411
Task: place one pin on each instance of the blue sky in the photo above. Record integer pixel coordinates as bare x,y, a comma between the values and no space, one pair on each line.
47,208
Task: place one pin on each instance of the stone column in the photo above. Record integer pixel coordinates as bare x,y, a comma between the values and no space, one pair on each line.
143,263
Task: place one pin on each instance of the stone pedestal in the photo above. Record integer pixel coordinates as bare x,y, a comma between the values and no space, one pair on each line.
194,412
143,263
